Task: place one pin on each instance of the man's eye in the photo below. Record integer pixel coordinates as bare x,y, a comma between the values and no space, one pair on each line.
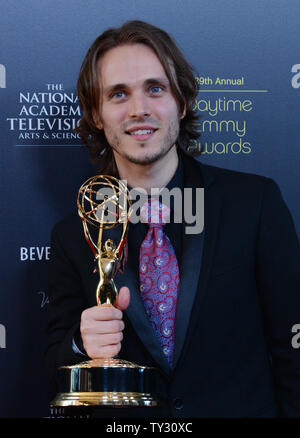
156,89
118,95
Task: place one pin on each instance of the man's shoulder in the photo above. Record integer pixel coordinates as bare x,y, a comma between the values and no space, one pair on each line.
69,224
227,179
222,178
249,191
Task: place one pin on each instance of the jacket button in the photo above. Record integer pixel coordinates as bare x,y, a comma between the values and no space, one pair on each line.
178,403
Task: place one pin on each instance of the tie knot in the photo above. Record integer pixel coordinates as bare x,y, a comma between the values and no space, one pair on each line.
155,213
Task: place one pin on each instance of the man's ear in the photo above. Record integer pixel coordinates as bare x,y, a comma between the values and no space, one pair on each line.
183,112
99,125
97,121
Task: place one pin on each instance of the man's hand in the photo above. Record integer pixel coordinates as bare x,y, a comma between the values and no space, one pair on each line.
101,327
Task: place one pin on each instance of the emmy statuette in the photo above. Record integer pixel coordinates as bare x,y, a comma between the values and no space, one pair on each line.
103,202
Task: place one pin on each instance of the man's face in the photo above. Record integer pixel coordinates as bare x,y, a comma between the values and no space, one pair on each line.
138,111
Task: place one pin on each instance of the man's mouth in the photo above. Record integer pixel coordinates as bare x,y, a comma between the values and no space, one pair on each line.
141,134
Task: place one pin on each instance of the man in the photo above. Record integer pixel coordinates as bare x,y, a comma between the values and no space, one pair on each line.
239,281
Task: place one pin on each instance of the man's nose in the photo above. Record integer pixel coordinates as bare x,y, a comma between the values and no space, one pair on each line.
139,106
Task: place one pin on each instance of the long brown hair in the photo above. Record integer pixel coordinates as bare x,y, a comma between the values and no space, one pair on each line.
183,86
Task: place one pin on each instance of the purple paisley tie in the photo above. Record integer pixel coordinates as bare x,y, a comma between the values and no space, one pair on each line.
159,275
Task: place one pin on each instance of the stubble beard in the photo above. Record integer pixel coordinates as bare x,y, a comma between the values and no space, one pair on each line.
168,143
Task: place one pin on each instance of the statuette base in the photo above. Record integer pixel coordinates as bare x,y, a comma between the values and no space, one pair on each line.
103,399
107,382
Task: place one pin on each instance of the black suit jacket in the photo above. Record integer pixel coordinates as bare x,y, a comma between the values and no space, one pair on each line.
239,298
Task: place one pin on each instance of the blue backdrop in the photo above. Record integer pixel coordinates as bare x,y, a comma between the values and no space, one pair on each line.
246,57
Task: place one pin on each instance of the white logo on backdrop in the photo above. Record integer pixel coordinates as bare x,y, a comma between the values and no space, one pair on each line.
46,114
2,336
34,253
296,338
44,298
296,78
2,76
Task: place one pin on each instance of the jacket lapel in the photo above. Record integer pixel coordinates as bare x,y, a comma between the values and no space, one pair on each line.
197,252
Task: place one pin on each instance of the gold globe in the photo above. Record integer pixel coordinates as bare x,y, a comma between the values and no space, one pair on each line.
103,201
